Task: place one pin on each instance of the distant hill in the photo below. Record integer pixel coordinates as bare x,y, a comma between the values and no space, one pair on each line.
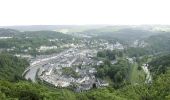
122,33
8,32
159,43
70,28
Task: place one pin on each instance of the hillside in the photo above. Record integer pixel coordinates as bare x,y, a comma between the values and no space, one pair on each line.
28,42
11,68
159,43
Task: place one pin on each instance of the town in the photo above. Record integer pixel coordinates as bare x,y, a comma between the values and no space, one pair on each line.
72,67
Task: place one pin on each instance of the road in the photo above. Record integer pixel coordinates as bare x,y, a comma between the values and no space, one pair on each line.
34,66
148,75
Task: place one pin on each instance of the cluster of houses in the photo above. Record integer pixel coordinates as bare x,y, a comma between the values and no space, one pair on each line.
139,43
80,63
78,60
45,48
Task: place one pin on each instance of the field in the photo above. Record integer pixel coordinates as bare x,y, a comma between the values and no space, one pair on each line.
137,76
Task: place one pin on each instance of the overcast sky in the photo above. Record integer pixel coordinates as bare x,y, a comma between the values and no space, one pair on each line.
81,12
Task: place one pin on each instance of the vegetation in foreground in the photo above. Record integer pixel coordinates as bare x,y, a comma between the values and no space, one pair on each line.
24,90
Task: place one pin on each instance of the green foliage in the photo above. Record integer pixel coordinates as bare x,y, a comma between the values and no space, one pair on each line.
159,43
28,91
158,90
11,68
118,72
137,75
69,71
103,94
27,42
136,52
160,64
108,54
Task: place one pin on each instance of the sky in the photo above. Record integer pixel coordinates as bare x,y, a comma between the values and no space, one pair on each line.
84,12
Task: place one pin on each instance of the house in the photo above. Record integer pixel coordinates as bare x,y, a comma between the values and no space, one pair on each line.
102,83
92,70
99,62
49,71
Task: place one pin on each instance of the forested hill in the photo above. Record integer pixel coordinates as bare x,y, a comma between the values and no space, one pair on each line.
159,43
15,33
8,32
126,34
46,34
29,42
11,67
160,64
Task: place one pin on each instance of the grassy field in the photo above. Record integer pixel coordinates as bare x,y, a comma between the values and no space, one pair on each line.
137,76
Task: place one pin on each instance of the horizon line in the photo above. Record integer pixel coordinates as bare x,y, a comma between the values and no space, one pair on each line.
86,25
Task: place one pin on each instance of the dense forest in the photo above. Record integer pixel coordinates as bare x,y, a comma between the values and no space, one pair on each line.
11,67
117,73
160,64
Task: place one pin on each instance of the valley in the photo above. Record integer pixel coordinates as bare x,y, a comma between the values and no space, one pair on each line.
106,61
